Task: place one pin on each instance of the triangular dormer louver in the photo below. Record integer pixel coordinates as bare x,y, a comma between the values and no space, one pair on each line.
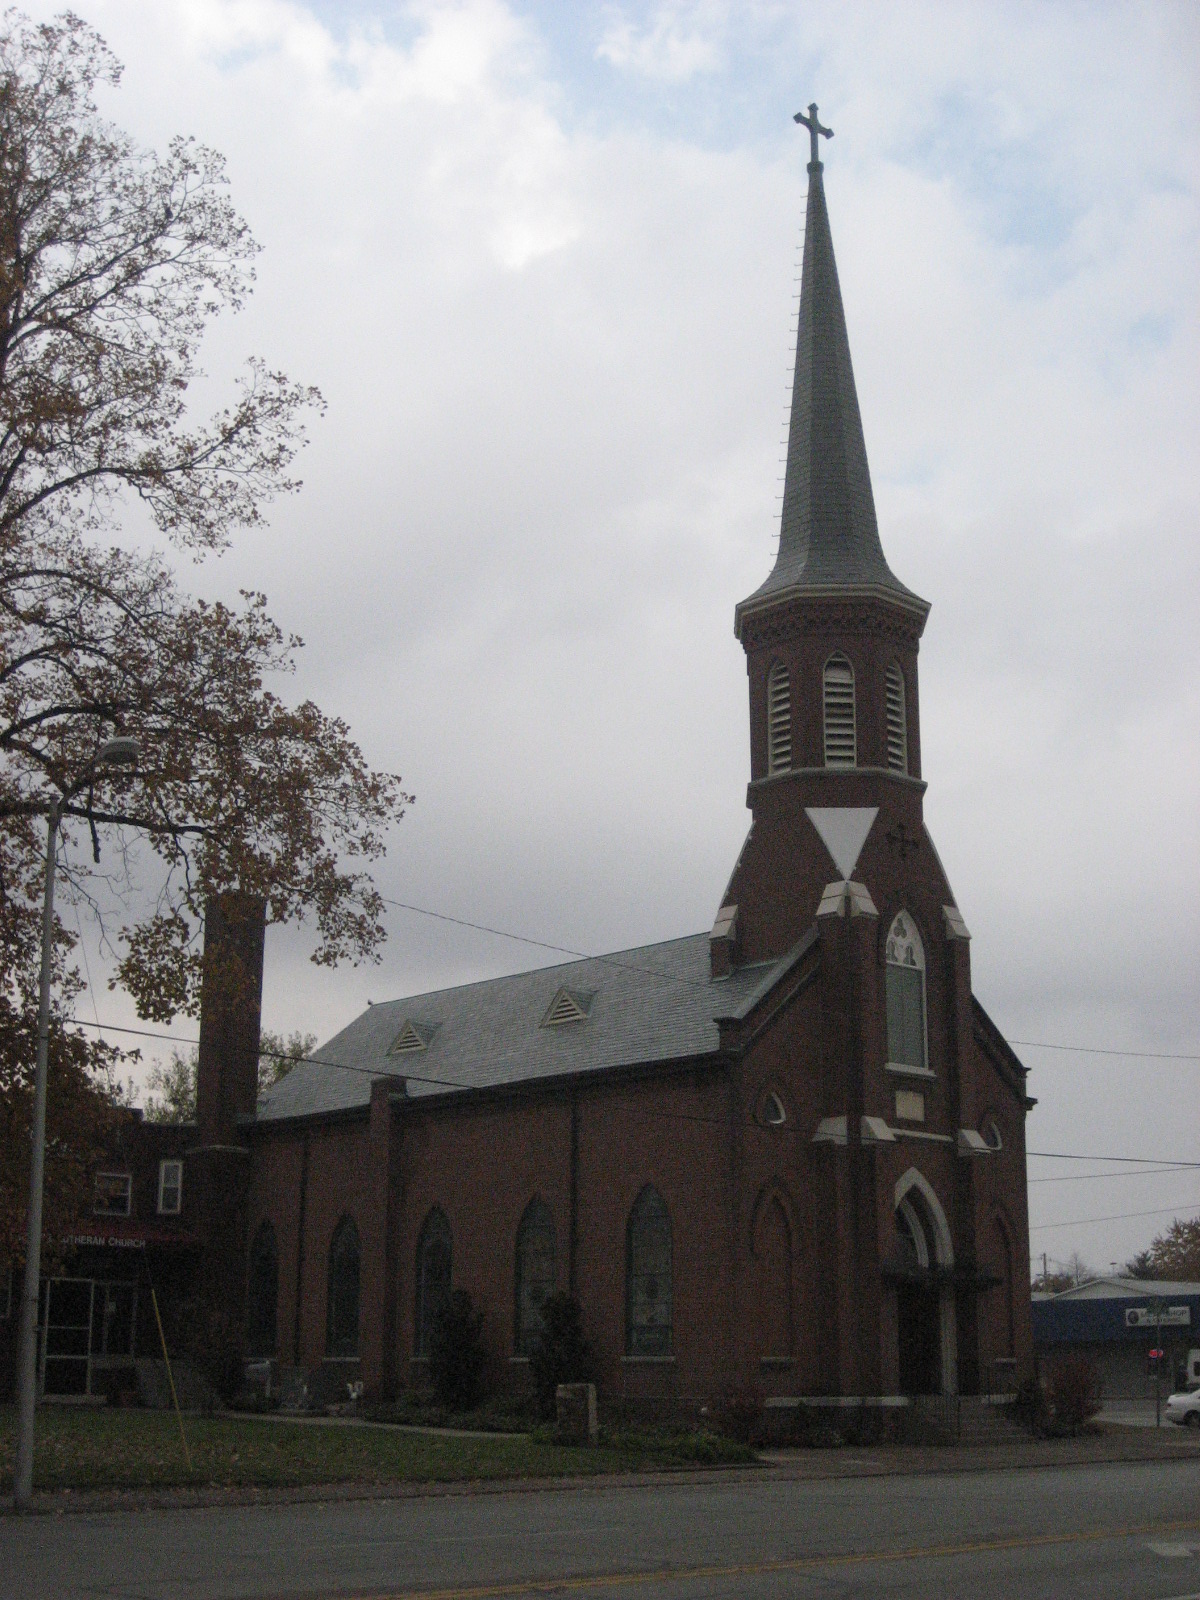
567,1006
410,1038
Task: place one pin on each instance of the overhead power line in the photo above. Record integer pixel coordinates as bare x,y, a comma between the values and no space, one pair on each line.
1120,1216
675,977
1152,1164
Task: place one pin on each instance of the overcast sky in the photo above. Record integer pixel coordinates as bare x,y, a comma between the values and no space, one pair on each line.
540,259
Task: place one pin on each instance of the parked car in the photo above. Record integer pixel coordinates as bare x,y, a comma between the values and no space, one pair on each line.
1184,1408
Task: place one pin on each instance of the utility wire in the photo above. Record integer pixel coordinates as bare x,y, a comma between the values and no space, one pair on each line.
1149,1162
1120,1216
693,983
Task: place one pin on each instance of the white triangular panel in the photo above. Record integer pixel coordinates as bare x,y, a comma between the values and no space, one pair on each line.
843,831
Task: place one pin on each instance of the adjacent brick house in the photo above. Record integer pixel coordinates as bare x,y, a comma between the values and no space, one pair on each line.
783,1158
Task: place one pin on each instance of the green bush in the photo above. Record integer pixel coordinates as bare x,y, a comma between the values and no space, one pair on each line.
561,1354
457,1357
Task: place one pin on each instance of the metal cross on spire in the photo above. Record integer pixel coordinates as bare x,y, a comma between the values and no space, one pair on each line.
814,128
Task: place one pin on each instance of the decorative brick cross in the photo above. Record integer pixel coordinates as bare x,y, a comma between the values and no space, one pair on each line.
903,842
814,128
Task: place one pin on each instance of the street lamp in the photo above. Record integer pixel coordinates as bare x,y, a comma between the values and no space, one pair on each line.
121,752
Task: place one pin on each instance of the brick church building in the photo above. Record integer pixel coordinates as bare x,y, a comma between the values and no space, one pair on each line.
782,1158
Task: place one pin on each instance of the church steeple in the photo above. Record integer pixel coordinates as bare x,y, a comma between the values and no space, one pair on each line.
828,536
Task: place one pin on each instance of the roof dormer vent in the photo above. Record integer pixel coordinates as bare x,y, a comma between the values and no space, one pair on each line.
568,1006
411,1038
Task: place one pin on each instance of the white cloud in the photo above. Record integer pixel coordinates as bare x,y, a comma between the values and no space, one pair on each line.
679,42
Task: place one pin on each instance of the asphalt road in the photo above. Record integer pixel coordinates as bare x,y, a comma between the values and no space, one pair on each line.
1127,1531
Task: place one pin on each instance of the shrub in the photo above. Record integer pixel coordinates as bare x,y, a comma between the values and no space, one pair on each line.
212,1343
1073,1392
456,1353
561,1354
740,1417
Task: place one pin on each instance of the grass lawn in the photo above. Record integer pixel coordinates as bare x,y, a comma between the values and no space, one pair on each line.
117,1449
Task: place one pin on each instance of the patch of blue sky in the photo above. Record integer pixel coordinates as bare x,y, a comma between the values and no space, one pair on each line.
732,87
1153,331
1008,177
396,23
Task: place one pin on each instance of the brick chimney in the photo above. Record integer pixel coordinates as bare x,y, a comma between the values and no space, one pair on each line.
230,1015
217,1169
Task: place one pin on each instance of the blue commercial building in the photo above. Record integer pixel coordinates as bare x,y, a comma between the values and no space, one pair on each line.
1121,1323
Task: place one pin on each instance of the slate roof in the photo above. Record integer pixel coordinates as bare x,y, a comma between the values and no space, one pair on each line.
656,1003
828,536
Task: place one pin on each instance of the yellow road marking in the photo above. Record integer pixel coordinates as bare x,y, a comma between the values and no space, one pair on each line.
751,1569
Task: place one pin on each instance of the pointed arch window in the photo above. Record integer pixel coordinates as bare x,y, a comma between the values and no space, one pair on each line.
897,720
262,1292
534,1273
779,719
433,1276
841,742
648,1267
905,979
341,1302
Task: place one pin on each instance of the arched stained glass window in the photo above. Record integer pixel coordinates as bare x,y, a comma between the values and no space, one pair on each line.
779,719
905,977
841,741
433,1276
648,1276
341,1305
897,720
262,1292
535,1269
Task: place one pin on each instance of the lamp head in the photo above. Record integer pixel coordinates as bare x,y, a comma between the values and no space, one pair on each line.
121,752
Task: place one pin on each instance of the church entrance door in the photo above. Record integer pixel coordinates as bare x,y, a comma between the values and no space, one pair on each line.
920,1312
918,1317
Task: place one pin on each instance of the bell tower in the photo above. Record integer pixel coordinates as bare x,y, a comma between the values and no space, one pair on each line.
831,641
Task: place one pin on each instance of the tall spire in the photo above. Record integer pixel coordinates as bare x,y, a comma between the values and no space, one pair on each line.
828,535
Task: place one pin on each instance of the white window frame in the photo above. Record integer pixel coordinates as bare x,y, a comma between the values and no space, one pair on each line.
919,964
119,1177
163,1209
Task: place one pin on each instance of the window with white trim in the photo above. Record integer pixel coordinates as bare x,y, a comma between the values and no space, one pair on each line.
773,1113
841,743
114,1194
897,720
170,1188
905,980
779,719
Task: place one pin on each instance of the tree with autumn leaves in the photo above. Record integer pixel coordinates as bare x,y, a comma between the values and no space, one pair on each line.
113,260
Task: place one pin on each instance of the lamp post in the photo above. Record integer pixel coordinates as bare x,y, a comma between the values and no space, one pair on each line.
113,753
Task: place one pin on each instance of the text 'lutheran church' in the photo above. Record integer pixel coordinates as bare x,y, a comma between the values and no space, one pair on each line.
782,1159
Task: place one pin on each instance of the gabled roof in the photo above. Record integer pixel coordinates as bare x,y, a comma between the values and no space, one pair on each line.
657,1003
828,535
1121,1288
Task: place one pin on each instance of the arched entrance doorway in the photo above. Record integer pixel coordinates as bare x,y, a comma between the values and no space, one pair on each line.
925,1314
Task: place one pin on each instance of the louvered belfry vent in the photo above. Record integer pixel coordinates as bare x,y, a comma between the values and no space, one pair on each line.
409,1039
841,745
897,721
566,1008
779,719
